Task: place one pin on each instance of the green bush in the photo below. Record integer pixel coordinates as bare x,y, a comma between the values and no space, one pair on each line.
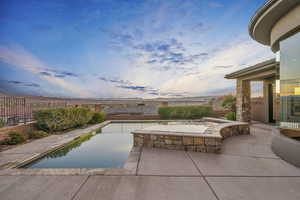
98,117
184,112
14,138
2,123
61,119
231,116
229,102
37,134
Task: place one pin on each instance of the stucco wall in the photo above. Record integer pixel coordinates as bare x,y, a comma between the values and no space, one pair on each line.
258,109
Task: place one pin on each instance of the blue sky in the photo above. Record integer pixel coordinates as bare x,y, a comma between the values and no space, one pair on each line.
125,48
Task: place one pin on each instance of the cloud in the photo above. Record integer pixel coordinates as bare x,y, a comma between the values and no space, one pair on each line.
45,73
58,73
138,88
206,81
200,27
20,83
114,80
215,4
19,57
168,55
223,66
121,37
32,85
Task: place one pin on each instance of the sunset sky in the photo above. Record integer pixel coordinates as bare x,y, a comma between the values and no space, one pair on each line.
125,48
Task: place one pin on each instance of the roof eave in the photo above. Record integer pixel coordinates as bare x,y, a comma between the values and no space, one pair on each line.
263,66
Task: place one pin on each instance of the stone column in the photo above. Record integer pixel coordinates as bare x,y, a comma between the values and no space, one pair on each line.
243,101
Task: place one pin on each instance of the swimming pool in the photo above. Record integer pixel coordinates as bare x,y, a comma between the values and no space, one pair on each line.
106,149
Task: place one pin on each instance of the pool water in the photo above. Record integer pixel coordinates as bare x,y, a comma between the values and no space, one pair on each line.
107,149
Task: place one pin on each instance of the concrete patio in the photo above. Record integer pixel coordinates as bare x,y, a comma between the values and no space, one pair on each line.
246,169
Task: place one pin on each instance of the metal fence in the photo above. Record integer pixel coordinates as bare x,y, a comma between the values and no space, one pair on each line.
15,110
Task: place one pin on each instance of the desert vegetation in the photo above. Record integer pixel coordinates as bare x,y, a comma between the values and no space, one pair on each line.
61,119
229,103
185,112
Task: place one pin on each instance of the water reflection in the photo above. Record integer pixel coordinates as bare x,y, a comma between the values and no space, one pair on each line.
108,149
72,145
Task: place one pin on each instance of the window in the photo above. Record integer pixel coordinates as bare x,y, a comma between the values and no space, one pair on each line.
290,82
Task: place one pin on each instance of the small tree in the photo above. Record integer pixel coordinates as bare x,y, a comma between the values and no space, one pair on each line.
229,102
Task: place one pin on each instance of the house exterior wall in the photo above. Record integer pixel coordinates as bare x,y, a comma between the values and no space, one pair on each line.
258,109
285,27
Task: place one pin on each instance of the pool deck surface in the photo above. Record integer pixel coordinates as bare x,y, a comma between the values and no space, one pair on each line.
246,169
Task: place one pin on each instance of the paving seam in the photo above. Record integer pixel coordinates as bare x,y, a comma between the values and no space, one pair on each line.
176,176
245,176
249,156
164,175
138,164
210,187
81,185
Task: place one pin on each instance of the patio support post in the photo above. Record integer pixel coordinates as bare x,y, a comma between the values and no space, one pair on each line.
243,101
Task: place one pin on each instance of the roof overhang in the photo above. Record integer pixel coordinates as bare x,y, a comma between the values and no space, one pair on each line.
266,17
260,71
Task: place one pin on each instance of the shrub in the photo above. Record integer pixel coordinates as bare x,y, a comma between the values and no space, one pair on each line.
14,138
2,123
98,117
231,116
184,112
37,134
229,102
61,119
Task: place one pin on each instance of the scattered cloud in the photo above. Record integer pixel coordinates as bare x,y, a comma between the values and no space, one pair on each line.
58,73
19,57
20,83
223,66
114,80
207,81
138,88
215,4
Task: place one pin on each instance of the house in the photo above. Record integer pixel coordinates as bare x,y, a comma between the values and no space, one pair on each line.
276,24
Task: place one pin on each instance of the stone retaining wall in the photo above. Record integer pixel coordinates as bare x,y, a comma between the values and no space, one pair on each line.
186,143
209,144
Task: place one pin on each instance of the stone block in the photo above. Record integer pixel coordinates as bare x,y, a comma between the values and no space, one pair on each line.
176,137
210,141
211,149
168,141
191,148
187,140
153,137
198,140
177,142
219,141
200,148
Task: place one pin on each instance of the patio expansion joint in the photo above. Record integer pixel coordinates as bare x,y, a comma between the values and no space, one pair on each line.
204,178
262,157
138,163
79,188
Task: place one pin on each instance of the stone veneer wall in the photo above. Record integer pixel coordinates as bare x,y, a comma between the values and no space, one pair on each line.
186,143
192,143
243,101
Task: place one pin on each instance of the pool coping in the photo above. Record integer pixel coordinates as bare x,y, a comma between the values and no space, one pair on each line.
129,168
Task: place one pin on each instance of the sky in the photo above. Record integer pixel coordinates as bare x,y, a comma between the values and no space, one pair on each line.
125,48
